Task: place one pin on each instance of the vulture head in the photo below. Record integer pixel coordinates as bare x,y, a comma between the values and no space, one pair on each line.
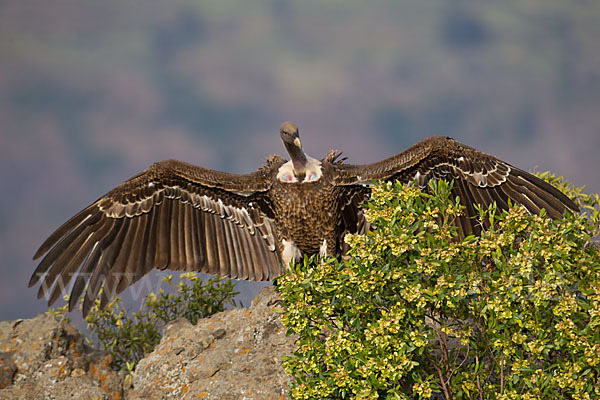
303,168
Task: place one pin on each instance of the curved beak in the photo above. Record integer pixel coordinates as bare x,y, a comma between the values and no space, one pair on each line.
297,143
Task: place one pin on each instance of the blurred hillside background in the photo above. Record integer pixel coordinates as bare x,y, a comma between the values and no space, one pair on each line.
93,92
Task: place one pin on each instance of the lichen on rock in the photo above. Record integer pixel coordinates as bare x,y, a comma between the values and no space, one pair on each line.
233,354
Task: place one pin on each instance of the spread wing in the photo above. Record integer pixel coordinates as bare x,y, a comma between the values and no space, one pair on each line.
478,179
173,215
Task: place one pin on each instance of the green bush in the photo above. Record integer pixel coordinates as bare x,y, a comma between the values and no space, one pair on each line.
415,313
129,338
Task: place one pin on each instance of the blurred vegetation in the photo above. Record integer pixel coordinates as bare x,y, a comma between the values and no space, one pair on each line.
128,337
415,313
429,65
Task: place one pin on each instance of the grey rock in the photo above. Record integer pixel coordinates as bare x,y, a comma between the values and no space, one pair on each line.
234,354
7,369
48,359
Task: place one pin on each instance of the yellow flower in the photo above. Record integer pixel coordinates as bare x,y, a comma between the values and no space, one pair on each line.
423,389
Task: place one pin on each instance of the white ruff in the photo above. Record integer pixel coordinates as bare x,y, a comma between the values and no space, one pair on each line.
312,174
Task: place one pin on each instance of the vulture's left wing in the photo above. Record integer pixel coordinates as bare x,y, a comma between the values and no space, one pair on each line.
478,179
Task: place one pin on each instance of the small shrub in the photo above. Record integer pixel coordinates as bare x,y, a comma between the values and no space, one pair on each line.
415,313
129,337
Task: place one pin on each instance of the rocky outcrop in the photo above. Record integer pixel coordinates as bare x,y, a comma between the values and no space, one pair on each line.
42,358
235,354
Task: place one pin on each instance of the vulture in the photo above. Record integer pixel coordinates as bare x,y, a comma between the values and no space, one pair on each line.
180,216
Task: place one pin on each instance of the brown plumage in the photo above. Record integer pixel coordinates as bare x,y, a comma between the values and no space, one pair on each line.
179,216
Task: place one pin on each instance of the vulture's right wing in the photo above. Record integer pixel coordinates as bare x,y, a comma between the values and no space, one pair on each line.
173,215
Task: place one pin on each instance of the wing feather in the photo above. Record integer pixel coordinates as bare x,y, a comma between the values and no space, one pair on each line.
210,244
110,245
60,245
219,234
90,268
231,252
173,215
55,261
478,179
120,266
247,257
163,253
177,255
134,268
461,190
66,266
61,232
198,241
187,237
259,258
